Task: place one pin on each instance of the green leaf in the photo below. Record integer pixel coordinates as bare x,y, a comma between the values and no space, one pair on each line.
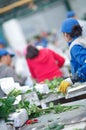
51,105
14,92
1,103
10,100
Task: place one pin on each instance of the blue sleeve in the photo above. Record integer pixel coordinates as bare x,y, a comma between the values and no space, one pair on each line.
79,54
82,73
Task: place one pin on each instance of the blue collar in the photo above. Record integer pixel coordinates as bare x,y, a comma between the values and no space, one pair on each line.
69,43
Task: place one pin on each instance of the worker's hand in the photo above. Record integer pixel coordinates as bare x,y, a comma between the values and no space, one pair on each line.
64,85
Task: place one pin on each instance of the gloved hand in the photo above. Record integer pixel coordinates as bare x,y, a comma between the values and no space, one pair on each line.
64,85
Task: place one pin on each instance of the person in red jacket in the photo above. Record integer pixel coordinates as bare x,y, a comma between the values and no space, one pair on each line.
44,63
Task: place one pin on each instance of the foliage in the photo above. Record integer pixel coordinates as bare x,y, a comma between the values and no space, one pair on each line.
62,108
54,126
14,93
42,95
77,129
52,84
53,87
6,106
34,111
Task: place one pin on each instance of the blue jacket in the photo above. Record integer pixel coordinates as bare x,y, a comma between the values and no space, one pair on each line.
78,60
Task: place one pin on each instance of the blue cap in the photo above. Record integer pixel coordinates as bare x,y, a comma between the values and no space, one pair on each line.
70,14
5,52
2,42
68,24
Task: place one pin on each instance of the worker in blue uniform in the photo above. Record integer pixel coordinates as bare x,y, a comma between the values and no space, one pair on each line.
72,32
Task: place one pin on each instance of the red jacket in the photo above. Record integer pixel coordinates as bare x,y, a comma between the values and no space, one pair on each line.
46,65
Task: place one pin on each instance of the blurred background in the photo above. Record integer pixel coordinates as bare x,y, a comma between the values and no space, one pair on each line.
35,16
25,21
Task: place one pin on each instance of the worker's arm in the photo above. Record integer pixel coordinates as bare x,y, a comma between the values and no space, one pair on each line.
79,53
60,60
